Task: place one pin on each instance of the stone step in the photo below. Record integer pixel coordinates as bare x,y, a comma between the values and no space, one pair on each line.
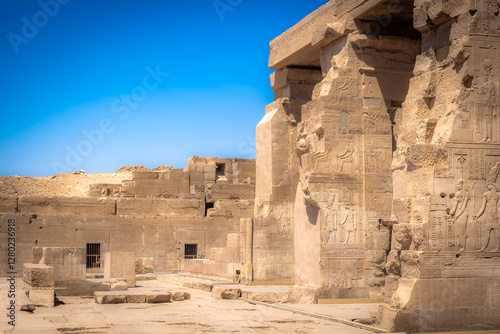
121,297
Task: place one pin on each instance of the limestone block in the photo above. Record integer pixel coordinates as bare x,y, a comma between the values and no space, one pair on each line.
231,293
68,262
158,298
161,206
80,287
266,297
120,265
135,298
144,175
38,275
102,297
302,295
144,265
231,191
100,286
58,205
42,296
225,293
178,296
119,285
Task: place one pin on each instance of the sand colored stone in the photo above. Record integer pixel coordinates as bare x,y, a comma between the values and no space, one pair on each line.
376,177
42,296
38,275
120,265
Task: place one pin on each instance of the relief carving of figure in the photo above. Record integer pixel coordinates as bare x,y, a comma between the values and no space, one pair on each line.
349,223
489,223
283,219
459,215
346,156
331,215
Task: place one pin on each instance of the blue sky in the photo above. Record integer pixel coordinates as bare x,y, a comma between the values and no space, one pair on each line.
99,84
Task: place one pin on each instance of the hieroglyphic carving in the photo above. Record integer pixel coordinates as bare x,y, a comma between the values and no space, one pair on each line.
489,223
458,217
345,159
436,234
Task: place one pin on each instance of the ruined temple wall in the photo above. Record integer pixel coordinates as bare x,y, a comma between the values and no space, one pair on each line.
153,214
278,174
443,263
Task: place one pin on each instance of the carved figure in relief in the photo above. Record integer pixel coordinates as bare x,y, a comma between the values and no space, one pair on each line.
459,215
490,114
331,215
349,223
489,210
283,219
346,156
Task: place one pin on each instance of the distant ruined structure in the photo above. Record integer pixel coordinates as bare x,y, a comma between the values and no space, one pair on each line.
376,174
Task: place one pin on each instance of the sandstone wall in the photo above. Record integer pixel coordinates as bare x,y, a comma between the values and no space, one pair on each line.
153,214
388,161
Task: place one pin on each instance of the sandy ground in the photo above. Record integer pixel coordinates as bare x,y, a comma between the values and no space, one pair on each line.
200,314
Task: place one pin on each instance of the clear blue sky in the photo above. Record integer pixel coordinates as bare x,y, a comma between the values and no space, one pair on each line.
99,84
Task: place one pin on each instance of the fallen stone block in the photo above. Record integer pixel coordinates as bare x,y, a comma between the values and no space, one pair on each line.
42,296
159,298
225,293
178,296
187,295
106,298
136,298
266,297
119,285
38,275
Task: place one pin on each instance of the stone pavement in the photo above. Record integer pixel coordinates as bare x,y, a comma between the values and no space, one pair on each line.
200,314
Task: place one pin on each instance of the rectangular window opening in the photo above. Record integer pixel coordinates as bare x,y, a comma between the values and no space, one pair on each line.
219,169
208,206
190,251
93,255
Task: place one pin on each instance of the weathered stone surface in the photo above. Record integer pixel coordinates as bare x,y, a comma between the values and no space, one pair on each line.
267,297
120,265
102,297
135,298
129,210
178,296
38,275
159,298
68,262
119,285
42,296
225,293
143,265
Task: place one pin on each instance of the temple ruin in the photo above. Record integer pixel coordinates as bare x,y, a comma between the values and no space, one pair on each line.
376,175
